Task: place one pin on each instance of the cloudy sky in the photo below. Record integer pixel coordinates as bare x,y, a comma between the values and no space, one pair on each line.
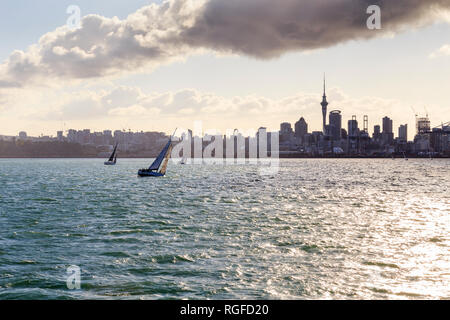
156,65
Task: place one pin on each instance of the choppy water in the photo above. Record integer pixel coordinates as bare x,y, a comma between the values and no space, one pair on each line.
333,229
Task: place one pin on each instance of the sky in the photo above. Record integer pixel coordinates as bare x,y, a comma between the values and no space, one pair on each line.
157,65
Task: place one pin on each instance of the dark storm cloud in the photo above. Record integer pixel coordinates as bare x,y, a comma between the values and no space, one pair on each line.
268,28
158,34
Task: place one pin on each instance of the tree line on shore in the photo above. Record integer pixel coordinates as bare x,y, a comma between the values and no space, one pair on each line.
17,148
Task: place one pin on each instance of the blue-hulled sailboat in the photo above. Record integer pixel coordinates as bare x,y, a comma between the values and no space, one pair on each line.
159,166
113,158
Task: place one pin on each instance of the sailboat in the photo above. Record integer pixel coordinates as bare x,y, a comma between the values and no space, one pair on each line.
184,160
113,158
404,156
159,166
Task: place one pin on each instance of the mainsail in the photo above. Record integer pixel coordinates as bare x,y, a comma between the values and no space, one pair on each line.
157,163
166,160
111,159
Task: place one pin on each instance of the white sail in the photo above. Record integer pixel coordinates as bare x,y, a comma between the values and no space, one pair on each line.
166,161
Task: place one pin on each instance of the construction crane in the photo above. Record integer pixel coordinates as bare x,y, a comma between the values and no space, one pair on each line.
442,125
414,111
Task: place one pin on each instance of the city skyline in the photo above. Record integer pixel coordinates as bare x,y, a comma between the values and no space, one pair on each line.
334,140
326,123
219,83
325,113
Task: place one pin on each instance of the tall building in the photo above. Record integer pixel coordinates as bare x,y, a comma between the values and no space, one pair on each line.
324,105
423,125
353,134
286,128
335,125
353,127
301,129
403,133
376,130
377,133
286,134
388,133
387,125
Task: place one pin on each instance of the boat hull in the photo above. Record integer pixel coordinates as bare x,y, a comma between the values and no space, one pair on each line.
110,163
146,173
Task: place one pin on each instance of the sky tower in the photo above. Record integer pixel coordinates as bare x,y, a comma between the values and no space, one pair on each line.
324,105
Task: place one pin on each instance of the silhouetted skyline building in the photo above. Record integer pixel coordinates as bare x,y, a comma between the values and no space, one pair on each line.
403,133
286,135
376,130
286,128
423,125
387,125
301,129
388,133
376,134
335,120
353,127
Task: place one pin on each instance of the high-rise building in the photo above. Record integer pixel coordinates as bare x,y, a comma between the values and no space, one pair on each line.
353,127
376,133
376,130
324,105
403,133
388,133
423,125
301,128
286,128
335,125
286,134
387,125
353,134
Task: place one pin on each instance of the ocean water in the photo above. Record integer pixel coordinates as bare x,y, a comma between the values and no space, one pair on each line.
319,229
